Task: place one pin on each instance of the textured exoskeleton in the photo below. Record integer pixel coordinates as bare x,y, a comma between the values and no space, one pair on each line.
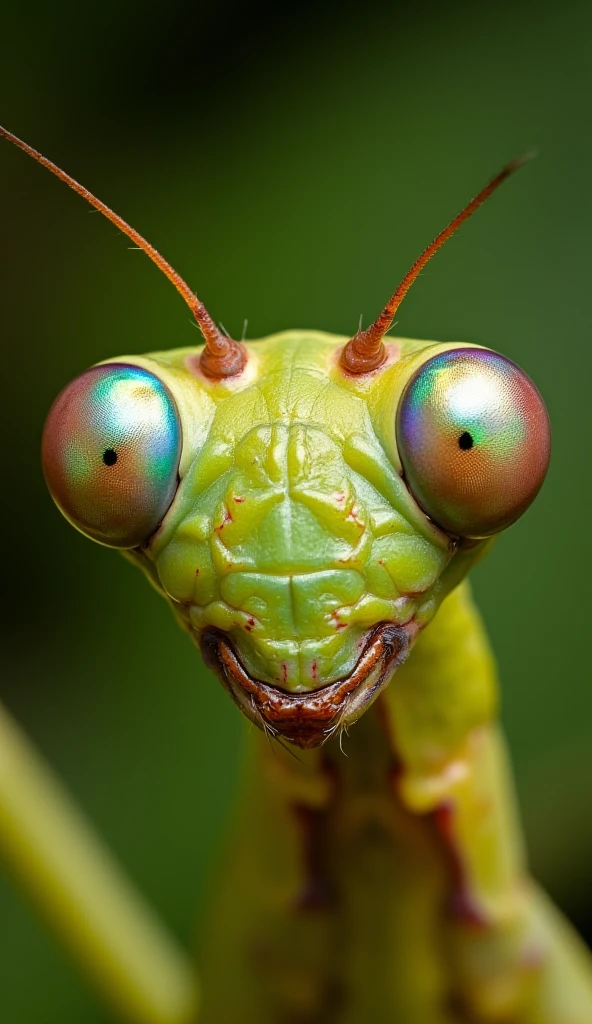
310,506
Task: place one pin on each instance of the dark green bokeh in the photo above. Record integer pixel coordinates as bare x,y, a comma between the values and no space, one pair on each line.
292,165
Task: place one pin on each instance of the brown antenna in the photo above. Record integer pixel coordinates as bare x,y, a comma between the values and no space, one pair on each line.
221,357
366,350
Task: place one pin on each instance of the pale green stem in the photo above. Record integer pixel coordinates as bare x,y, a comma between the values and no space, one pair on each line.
62,863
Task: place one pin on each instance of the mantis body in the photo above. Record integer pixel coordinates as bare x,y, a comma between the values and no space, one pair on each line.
310,505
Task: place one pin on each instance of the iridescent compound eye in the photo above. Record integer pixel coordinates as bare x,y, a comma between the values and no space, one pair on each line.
111,449
474,440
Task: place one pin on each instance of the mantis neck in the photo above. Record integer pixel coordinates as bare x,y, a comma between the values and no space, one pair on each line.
339,888
334,888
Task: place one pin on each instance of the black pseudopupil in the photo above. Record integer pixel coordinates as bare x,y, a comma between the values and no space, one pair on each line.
110,457
465,442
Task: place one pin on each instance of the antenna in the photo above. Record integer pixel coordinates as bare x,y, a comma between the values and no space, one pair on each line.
221,357
366,350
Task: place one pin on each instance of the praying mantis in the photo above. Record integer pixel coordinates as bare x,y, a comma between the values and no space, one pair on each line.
310,505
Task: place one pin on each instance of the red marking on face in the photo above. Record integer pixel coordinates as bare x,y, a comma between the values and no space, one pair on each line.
334,616
381,561
313,669
239,499
354,518
284,672
250,624
339,496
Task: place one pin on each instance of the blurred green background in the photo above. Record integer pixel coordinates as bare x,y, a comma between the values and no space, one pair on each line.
291,160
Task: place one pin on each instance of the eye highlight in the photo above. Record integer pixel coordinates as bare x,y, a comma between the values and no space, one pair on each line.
110,452
474,440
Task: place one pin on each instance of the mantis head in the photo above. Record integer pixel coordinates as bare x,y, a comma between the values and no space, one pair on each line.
305,501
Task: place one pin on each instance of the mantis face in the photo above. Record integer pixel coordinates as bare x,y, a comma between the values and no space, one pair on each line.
277,509
305,501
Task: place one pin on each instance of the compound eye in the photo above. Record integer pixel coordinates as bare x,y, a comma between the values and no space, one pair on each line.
110,451
474,440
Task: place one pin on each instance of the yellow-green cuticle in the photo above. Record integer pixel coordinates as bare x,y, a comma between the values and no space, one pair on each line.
288,520
292,530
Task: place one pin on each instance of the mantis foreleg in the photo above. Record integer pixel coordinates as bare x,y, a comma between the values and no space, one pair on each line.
66,869
513,956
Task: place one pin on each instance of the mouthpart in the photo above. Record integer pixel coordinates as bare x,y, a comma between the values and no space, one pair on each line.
310,719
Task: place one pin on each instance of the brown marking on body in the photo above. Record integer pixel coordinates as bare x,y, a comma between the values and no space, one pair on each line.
314,670
250,624
462,905
316,893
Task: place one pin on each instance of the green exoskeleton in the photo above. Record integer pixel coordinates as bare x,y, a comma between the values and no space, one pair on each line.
310,505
